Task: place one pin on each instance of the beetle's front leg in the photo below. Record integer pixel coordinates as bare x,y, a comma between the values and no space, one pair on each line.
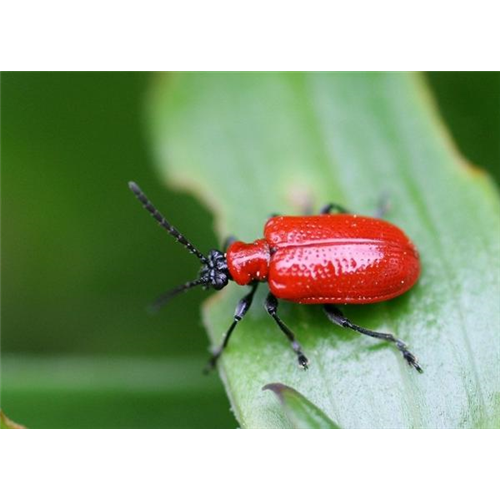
228,242
272,308
335,315
241,309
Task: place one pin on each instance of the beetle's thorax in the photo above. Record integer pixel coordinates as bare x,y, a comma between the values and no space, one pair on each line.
248,262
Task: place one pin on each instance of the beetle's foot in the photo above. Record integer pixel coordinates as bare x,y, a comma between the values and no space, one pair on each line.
410,358
303,362
212,363
209,367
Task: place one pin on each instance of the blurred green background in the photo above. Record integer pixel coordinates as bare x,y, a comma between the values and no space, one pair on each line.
81,259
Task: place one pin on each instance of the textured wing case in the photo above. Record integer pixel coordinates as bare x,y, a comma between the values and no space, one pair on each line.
339,259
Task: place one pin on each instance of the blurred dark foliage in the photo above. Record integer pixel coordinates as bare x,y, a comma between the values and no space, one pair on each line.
470,105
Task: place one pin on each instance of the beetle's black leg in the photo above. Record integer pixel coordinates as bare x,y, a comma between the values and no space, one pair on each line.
333,206
335,316
273,215
227,242
241,309
271,307
382,209
383,206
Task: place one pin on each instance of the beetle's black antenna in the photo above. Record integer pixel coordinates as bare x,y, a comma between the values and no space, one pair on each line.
165,297
164,223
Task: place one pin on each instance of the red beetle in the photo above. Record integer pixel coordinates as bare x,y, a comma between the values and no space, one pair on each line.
320,259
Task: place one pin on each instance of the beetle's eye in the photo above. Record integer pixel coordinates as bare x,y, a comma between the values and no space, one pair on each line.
220,281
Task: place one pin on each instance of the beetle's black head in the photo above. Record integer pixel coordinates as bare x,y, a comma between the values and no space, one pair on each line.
213,273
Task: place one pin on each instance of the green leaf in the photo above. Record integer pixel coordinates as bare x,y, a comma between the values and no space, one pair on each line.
301,413
7,423
258,143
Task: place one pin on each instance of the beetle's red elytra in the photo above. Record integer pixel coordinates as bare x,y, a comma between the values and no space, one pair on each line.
325,259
